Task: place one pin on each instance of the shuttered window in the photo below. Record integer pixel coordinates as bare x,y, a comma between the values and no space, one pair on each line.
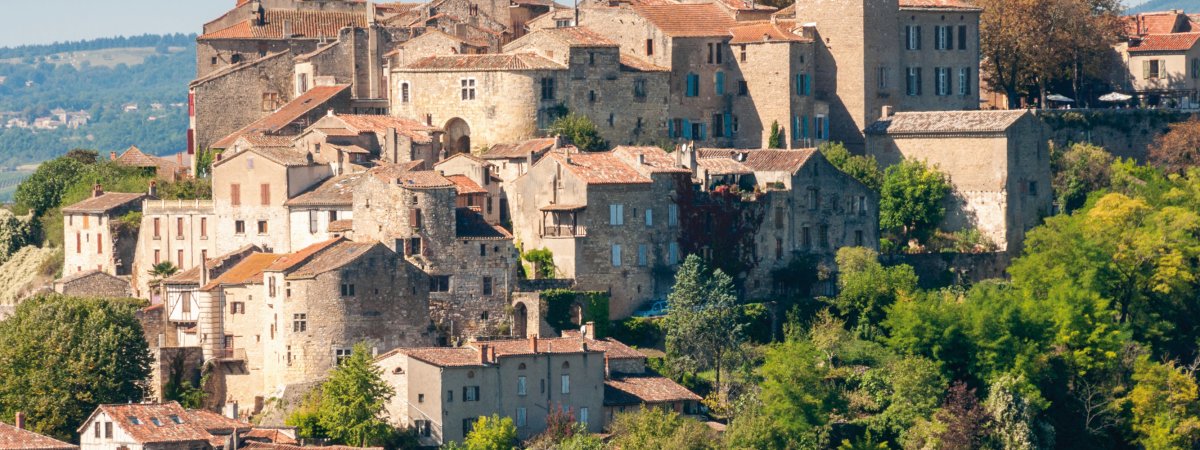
264,191
235,194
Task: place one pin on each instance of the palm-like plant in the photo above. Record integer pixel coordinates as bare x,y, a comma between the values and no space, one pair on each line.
161,271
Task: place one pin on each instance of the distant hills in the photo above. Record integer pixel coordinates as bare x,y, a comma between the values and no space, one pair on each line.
1190,6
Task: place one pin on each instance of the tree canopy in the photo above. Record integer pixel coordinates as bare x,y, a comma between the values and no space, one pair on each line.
911,200
580,131
350,406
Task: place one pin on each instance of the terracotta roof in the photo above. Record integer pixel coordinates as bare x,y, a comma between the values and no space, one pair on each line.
270,434
471,224
336,191
192,276
567,344
287,114
767,31
156,423
284,156
444,356
1179,42
1158,22
135,158
216,423
473,158
764,160
574,37
341,226
270,446
598,168
748,5
941,122
465,185
87,274
303,23
13,438
248,271
939,4
490,62
656,159
417,131
563,207
331,258
688,20
788,12
723,166
104,203
630,63
291,260
519,150
635,390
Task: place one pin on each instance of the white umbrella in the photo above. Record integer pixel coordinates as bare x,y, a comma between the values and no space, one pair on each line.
1059,98
1115,97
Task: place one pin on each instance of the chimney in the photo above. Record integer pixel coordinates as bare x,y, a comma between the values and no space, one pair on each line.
589,330
112,156
606,369
231,410
533,343
492,354
557,142
287,29
203,271
888,111
20,420
483,353
97,190
153,191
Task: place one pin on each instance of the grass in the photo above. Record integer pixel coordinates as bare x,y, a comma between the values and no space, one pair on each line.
110,57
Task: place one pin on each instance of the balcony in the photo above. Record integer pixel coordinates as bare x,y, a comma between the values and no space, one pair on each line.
231,355
564,231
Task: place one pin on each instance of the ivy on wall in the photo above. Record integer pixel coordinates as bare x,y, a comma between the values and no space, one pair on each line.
593,307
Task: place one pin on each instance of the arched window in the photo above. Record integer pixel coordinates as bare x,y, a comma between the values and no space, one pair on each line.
521,367
566,365
404,95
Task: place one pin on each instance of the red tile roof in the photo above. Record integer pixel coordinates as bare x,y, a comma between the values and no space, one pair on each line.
491,62
567,344
341,226
216,423
722,166
248,271
656,159
291,260
764,160
748,5
767,31
417,131
941,122
1160,22
134,157
443,356
519,150
465,185
630,63
403,175
574,37
287,114
635,390
271,435
13,438
215,265
688,20
1179,42
303,23
331,258
598,168
174,424
938,4
104,203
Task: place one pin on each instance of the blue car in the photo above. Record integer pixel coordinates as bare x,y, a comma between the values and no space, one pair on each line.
656,309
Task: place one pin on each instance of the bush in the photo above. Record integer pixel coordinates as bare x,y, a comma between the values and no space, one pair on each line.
639,332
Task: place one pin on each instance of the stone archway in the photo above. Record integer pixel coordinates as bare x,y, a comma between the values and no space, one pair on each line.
457,138
520,320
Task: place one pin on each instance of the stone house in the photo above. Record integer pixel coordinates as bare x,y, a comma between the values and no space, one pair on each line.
153,426
434,42
513,160
312,215
471,264
356,140
16,437
225,100
96,235
179,231
610,219
477,185
290,119
253,29
1164,68
356,58
998,163
94,283
182,299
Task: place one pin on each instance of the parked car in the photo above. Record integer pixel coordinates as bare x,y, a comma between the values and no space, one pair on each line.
656,309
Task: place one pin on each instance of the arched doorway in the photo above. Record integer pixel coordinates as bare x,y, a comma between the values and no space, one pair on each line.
520,320
457,137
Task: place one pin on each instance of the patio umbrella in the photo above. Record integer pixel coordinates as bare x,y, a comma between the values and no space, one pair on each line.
1115,97
1059,98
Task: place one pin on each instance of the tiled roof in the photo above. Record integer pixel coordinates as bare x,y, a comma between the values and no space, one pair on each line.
331,258
284,156
135,158
1179,42
688,20
417,131
575,37
764,160
722,166
104,203
146,431
767,31
939,4
336,191
268,446
635,390
491,62
598,168
748,5
465,185
519,150
402,175
444,356
567,344
303,23
285,115
269,434
1159,22
87,274
656,159
218,264
341,226
788,12
216,423
630,63
291,260
13,438
248,271
471,224
473,158
941,122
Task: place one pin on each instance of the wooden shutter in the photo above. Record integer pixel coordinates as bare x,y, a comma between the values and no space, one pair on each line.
265,192
1146,69
235,194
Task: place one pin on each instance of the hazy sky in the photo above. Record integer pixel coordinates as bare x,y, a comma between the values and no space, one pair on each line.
45,21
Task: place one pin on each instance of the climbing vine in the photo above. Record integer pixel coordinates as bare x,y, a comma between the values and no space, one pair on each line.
593,308
720,225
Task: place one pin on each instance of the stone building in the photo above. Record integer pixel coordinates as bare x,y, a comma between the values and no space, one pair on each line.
314,214
290,119
477,185
1164,69
93,283
96,234
344,140
471,264
513,160
434,43
179,231
997,161
610,219
225,100
483,100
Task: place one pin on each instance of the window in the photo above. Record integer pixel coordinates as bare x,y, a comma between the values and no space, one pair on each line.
649,47
639,88
185,302
424,427
97,428
822,127
592,96
521,386
824,235
264,192
271,287
439,283
157,255
487,285
178,254
521,417
404,92
299,323
566,384
719,82
341,354
1153,69
591,58
203,228
964,81
693,85
912,37
547,88
312,221
471,393
239,227
468,88
718,124
944,38
673,253
482,249
862,204
420,398
414,218
108,430
262,227
616,214
710,52
858,238
413,246
449,396
237,308
814,198
803,84
643,257
742,49
289,356
347,289
156,228
743,88
914,81
564,23
1033,188
943,80
883,78
806,237
673,215
235,194
649,217
269,101
1195,68
583,416
962,37
616,255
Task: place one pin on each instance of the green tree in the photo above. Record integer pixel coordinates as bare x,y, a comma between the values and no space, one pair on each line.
350,406
62,356
1165,406
580,130
1079,171
702,319
45,188
161,271
543,262
655,428
1015,406
775,140
862,168
796,401
867,288
492,433
912,199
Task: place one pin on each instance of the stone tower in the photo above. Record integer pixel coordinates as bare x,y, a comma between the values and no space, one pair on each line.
858,44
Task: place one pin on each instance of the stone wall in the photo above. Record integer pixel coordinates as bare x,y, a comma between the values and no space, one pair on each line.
1127,133
938,270
929,58
160,236
228,101
98,284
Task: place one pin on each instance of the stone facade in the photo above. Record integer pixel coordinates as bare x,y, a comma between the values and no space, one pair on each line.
481,174
179,231
94,283
227,100
96,237
249,191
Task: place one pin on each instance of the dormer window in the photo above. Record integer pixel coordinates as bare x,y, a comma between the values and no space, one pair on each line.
134,420
175,418
155,421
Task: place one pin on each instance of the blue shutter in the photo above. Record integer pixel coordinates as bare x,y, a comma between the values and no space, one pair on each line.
670,128
703,131
795,126
804,127
807,84
728,125
720,83
799,89
691,84
826,135
687,129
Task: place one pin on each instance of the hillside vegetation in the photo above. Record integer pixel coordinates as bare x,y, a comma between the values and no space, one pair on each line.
1190,6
